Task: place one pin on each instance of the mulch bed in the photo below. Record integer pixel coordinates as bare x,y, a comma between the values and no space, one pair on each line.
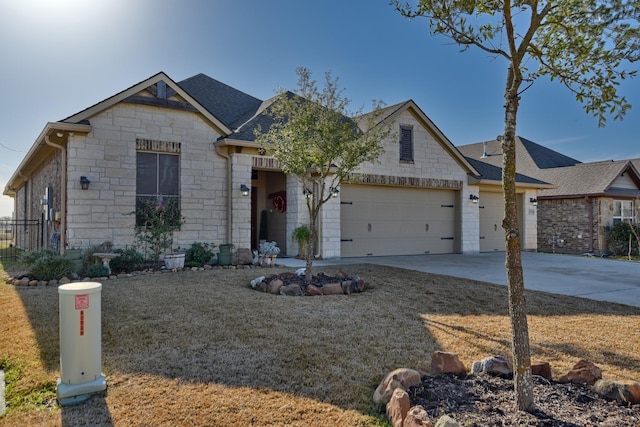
485,400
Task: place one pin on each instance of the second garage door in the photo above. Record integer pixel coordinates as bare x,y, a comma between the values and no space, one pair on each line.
381,221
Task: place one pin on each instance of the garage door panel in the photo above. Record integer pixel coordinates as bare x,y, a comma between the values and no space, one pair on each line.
491,212
396,221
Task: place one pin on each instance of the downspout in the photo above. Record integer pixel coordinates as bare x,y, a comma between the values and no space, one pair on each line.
63,194
229,210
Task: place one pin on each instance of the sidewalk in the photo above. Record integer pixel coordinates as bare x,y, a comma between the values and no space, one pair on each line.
599,279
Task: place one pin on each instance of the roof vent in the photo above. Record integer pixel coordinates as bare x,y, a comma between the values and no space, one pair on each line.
484,150
162,89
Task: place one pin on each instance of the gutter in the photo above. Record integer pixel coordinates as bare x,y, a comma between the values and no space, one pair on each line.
221,153
63,193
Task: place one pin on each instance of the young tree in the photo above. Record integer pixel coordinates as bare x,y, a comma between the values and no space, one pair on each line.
316,139
585,45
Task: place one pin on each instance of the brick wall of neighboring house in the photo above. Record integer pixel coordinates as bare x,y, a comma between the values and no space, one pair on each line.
564,226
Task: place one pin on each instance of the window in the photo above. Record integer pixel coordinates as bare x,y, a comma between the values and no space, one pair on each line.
157,178
406,143
622,211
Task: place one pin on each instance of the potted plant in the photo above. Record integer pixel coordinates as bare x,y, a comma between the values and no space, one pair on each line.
156,221
268,252
301,236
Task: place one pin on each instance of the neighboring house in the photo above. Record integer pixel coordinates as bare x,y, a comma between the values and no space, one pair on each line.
583,201
192,142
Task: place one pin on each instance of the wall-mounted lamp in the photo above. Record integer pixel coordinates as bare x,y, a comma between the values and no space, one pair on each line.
334,192
474,198
533,201
84,182
307,193
244,190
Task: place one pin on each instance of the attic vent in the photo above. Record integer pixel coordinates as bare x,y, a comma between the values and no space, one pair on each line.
159,146
162,89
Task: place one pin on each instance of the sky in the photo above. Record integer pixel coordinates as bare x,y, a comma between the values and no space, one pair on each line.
58,57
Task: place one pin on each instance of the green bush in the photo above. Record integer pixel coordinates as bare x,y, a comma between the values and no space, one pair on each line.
618,239
199,254
97,270
49,267
30,257
129,260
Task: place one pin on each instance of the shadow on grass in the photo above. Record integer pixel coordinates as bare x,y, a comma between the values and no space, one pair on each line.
210,327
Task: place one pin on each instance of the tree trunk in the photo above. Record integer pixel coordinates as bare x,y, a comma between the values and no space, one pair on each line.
523,383
313,235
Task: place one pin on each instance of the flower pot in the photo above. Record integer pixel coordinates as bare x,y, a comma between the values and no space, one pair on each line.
224,257
174,261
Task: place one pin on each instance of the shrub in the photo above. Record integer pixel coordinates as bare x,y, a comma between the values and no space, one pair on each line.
199,254
97,270
129,260
30,257
49,267
618,239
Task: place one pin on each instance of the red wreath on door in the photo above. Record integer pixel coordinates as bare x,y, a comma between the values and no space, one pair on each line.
279,201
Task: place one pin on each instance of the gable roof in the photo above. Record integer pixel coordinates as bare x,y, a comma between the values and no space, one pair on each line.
231,106
131,92
591,179
531,158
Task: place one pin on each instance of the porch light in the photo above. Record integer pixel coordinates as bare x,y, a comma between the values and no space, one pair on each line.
474,198
84,182
334,192
307,193
244,190
533,201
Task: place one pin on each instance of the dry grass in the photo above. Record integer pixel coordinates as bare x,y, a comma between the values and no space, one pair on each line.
203,348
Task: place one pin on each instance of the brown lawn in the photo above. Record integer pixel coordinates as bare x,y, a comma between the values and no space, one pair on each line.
204,349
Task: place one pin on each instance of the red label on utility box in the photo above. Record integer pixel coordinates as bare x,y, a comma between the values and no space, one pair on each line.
82,302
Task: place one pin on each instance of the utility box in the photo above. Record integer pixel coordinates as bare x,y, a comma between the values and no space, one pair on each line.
80,342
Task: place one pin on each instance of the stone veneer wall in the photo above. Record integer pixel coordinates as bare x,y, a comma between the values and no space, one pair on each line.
563,226
107,156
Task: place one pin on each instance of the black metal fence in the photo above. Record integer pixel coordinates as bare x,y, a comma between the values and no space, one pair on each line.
19,235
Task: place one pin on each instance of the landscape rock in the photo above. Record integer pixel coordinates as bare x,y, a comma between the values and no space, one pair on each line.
243,256
398,407
292,290
416,417
443,362
542,369
624,392
495,365
313,290
332,289
64,281
447,421
274,286
257,280
583,372
399,378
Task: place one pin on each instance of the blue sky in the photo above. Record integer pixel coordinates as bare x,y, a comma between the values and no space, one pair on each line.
61,56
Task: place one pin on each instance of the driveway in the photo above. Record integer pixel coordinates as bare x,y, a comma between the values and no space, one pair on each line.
600,279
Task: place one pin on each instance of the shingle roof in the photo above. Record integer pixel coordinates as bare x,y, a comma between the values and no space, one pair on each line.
229,105
589,179
494,173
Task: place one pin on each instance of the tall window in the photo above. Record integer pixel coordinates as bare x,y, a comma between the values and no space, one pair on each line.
622,211
157,178
406,143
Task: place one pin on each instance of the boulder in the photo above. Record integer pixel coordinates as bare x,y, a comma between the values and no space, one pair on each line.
542,369
447,421
443,362
292,290
257,280
398,407
399,378
416,417
583,372
313,290
623,392
332,289
495,365
243,256
275,285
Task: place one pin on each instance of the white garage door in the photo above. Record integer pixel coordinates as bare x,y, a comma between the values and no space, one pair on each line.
491,207
380,221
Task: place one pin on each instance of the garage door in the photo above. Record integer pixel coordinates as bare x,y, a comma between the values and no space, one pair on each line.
491,207
380,221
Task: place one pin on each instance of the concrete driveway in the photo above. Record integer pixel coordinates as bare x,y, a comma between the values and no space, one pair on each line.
600,279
